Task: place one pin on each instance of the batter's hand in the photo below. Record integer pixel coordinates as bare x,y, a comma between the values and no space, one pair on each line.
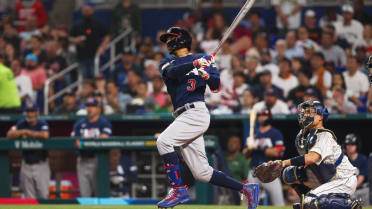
203,62
203,73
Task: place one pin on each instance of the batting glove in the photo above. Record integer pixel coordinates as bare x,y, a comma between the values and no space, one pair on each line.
203,62
203,73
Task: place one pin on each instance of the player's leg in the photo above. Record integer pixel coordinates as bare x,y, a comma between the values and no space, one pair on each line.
42,179
196,159
84,184
94,176
26,181
275,191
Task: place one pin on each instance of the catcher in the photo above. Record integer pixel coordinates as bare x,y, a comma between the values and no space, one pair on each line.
321,175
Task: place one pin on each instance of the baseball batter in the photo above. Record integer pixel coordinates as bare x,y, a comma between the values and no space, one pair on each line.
322,175
186,76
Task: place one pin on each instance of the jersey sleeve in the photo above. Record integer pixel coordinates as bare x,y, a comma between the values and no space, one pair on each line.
20,124
44,126
363,170
323,146
168,69
214,81
75,129
106,128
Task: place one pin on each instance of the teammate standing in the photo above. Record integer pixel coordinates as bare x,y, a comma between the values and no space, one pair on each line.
321,174
35,171
186,76
94,126
269,146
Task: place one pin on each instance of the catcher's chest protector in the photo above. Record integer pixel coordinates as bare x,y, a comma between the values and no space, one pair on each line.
304,142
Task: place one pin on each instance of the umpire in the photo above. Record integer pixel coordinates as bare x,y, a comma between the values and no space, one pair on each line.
35,171
94,126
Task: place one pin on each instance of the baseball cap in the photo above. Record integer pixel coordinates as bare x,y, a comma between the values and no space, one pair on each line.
31,107
347,8
91,102
264,72
311,92
271,92
31,57
309,13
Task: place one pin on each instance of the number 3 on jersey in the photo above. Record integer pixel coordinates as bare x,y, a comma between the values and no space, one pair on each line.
192,85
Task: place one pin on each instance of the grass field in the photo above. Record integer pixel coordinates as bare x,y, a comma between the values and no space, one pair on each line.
132,207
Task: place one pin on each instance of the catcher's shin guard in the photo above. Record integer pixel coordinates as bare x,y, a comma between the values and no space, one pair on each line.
331,201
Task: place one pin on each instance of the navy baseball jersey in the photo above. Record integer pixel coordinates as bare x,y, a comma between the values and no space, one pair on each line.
33,156
85,129
271,138
183,82
361,163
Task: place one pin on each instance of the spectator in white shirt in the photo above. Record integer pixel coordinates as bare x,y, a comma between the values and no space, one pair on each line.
355,81
293,49
248,101
349,29
288,14
321,79
227,74
331,51
232,96
330,17
339,102
286,81
23,82
304,40
281,48
267,64
271,102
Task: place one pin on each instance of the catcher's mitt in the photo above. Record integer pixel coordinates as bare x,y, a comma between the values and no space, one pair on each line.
268,172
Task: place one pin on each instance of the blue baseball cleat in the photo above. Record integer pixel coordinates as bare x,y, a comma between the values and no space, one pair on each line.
251,192
176,196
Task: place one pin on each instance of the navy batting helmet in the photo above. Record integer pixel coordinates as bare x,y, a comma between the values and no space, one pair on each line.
182,39
352,139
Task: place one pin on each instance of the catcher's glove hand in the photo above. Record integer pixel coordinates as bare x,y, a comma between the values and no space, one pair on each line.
268,172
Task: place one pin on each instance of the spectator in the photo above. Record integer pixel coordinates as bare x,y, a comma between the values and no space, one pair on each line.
117,100
10,101
330,17
69,105
339,103
253,66
281,48
120,73
142,103
126,15
286,80
297,65
132,81
88,34
331,51
356,82
266,83
23,82
54,62
35,171
232,96
293,49
36,49
349,29
227,74
30,30
238,164
296,95
311,25
304,38
272,103
309,50
288,14
321,78
36,73
367,39
360,14
168,105
268,146
266,63
158,92
11,36
248,101
151,70
256,24
10,54
105,108
87,90
352,144
27,9
94,126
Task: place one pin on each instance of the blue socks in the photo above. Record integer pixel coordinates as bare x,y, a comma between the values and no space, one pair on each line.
171,166
221,179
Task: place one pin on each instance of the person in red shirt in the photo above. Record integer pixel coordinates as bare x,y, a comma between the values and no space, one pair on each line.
30,8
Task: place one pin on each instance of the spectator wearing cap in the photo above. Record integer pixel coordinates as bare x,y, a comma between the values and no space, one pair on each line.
288,14
349,29
23,82
88,34
286,81
272,102
36,73
331,51
352,146
311,25
10,101
35,171
248,100
121,70
330,17
356,82
296,95
359,12
321,79
69,105
293,49
93,126
265,79
25,9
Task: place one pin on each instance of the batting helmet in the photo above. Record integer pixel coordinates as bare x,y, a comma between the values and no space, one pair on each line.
352,139
182,39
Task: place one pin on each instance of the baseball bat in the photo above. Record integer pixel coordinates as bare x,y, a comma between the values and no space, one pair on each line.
243,11
252,122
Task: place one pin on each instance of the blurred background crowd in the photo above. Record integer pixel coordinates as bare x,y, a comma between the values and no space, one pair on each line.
302,56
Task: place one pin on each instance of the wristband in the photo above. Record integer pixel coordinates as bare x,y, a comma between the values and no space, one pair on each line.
298,161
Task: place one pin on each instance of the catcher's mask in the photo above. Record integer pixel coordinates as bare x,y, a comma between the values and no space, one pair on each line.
308,109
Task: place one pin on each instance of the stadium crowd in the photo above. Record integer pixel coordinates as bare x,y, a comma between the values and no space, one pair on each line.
322,58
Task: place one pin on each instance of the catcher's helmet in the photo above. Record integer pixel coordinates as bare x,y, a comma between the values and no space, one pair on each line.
182,39
320,109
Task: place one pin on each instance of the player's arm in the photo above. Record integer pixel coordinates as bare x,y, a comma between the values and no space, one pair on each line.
360,180
106,130
37,134
15,133
170,70
302,160
273,152
213,80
